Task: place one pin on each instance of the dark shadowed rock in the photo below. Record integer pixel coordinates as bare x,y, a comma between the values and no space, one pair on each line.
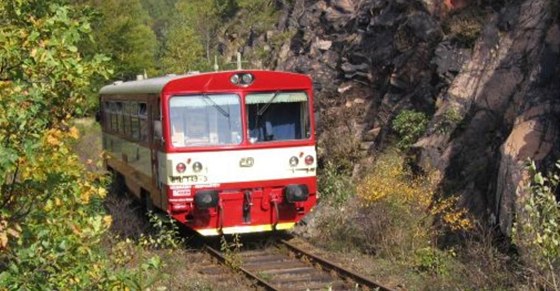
494,115
449,60
424,27
495,98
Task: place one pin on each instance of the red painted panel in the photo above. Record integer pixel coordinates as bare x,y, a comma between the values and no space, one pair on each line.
220,82
265,81
264,193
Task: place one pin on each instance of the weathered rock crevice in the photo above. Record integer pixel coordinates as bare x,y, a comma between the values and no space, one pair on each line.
487,72
484,164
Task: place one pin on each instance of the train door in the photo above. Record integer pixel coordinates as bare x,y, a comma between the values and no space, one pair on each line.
156,144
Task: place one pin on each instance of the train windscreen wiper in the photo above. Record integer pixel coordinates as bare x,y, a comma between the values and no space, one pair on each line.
262,110
215,105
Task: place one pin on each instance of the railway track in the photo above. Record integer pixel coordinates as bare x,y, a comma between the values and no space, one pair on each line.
286,266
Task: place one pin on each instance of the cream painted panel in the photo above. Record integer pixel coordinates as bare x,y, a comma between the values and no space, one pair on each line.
233,166
138,156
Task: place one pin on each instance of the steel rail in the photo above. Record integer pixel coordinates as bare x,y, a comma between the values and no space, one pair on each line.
336,268
247,273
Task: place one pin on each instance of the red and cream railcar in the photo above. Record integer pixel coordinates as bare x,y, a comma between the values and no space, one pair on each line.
224,152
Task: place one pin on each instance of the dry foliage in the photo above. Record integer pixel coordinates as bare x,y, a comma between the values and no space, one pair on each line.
397,217
339,142
396,211
129,221
390,182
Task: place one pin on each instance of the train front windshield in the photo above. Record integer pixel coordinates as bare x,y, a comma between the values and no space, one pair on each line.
205,120
277,116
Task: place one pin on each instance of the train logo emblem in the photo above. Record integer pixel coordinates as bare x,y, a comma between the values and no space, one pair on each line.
246,162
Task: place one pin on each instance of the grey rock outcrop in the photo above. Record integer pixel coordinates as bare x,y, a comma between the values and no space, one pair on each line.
504,110
491,85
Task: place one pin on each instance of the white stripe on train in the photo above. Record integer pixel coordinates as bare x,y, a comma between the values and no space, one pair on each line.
231,166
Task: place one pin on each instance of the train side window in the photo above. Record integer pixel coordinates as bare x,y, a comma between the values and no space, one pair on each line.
127,119
119,117
143,110
114,117
106,119
134,122
127,106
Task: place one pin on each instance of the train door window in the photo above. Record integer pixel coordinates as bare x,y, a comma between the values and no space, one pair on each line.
205,120
106,121
155,121
143,121
278,116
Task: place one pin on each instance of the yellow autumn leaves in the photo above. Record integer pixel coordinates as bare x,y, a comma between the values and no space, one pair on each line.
54,158
55,137
452,216
87,191
7,231
391,182
52,155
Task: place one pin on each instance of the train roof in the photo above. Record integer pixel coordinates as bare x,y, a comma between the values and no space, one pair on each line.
147,86
157,85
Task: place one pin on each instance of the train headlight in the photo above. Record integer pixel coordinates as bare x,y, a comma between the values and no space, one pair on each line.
294,161
206,199
197,167
181,168
247,79
242,79
296,193
309,160
234,79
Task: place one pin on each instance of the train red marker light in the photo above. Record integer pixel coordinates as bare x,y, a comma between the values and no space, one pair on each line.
181,168
309,160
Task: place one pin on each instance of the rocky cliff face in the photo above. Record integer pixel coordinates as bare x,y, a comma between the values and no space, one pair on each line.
487,73
506,97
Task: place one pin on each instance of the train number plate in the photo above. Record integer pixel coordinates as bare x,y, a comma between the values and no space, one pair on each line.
195,178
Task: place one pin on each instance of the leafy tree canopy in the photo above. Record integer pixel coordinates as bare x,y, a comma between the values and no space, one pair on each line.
182,51
51,219
190,37
123,31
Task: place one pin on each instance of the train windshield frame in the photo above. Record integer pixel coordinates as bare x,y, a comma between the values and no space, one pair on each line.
205,120
278,116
